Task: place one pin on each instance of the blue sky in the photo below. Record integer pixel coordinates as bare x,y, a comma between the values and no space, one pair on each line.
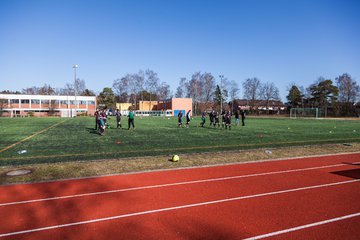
279,41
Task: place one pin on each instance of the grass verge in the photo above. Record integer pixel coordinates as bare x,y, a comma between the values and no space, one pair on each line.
81,169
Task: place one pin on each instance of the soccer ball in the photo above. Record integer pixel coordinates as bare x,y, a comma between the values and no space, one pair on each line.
175,158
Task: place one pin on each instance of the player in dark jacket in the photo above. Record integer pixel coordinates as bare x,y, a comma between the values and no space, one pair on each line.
211,116
188,118
243,117
97,115
228,120
217,120
237,115
180,115
118,118
203,119
223,119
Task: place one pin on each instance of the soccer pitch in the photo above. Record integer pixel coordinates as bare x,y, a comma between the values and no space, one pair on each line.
49,140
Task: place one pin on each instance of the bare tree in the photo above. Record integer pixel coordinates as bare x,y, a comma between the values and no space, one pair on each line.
164,90
252,88
67,90
121,87
129,87
46,90
80,86
140,83
194,90
226,89
269,92
208,85
348,89
30,90
151,82
77,88
233,92
181,90
348,92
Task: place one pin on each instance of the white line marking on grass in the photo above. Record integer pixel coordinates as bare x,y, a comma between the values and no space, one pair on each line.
174,208
304,226
167,185
31,136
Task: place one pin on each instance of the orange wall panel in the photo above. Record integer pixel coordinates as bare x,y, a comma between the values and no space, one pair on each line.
182,104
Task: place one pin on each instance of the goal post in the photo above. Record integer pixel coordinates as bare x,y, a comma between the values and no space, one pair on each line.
304,113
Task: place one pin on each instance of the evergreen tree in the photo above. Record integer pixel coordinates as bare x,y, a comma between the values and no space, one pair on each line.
107,98
295,97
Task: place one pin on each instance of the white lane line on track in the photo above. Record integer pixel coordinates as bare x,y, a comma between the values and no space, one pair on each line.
174,208
167,185
303,226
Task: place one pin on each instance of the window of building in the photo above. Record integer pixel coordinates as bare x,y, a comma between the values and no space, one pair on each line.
35,101
82,102
91,102
25,101
14,101
63,102
45,101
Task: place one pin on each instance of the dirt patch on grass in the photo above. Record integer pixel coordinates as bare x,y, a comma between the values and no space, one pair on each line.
81,169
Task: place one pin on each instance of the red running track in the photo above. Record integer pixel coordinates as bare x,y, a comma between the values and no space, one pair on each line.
307,198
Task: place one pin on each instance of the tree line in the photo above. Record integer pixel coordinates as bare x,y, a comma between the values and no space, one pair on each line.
337,98
208,91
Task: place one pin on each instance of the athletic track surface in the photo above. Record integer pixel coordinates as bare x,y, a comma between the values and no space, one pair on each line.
307,198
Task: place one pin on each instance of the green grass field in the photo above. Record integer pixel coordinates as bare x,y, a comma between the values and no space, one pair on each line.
75,139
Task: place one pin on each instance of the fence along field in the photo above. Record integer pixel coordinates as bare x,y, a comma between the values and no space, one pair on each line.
40,140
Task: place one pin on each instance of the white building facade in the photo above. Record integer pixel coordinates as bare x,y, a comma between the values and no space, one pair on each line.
19,105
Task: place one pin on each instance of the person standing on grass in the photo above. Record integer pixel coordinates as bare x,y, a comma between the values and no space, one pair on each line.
217,121
102,124
118,118
237,115
228,120
223,120
180,115
188,118
97,115
243,117
203,119
102,115
131,119
211,116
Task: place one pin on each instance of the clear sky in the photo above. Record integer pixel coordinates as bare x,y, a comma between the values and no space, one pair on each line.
280,41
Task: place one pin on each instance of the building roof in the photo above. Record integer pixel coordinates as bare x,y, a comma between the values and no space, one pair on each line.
258,103
46,97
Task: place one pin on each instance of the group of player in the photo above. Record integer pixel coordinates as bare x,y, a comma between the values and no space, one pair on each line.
100,121
188,118
101,117
215,118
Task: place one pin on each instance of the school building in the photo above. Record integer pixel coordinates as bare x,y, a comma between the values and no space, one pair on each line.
167,107
18,105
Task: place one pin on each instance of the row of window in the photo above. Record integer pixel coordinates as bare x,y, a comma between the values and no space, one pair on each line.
36,101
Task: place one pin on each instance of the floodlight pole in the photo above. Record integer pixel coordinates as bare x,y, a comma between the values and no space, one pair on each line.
221,79
75,67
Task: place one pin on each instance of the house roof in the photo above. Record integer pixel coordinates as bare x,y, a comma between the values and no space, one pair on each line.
258,103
